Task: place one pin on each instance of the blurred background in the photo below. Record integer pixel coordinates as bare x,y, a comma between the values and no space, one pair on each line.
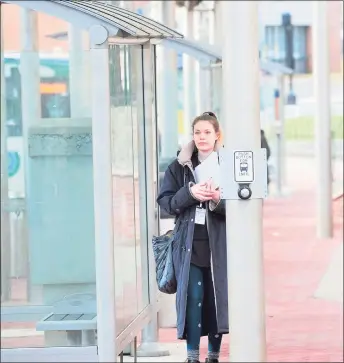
196,20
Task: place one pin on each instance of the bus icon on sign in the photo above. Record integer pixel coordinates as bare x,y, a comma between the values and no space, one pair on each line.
243,167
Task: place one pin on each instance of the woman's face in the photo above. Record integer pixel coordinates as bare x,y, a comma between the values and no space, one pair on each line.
204,136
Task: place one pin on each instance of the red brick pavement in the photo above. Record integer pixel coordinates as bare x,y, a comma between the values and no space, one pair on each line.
300,328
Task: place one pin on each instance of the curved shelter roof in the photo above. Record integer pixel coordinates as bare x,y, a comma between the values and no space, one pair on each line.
209,54
85,14
205,53
125,23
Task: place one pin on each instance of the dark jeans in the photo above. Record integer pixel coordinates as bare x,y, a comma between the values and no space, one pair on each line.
194,313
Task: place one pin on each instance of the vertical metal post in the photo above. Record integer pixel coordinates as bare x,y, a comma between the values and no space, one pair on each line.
142,181
246,305
150,336
103,208
282,98
30,68
278,141
218,23
205,86
31,105
188,79
78,101
289,58
279,125
169,95
321,72
216,87
5,217
217,69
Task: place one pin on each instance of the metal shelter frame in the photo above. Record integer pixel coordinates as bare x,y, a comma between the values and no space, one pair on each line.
85,14
108,26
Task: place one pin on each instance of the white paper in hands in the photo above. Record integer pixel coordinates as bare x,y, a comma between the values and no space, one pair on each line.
209,168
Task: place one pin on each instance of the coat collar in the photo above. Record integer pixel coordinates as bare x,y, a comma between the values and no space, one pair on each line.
185,154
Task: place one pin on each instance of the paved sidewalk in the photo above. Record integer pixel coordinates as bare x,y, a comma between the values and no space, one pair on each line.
300,326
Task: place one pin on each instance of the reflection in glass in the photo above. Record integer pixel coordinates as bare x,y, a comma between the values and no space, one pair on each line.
126,116
54,89
170,121
50,240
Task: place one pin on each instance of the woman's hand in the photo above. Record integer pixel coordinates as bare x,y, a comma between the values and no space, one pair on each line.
216,196
201,192
215,191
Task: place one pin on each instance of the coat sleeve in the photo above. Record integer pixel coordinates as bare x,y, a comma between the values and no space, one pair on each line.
173,197
219,208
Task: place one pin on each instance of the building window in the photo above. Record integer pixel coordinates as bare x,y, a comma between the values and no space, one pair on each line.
300,49
276,46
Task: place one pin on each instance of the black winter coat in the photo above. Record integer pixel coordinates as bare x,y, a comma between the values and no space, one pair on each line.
175,199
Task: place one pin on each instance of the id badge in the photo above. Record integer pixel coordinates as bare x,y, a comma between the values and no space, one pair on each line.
200,215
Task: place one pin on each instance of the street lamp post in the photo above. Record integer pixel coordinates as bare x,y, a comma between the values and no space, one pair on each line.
289,50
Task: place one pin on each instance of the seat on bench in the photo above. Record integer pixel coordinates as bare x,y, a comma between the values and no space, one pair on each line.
73,321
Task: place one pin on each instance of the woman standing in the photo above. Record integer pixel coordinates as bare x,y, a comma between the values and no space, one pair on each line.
199,255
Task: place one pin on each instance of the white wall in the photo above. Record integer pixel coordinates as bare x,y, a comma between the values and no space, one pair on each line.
271,12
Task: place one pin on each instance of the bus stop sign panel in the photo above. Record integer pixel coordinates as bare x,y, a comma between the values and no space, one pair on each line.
243,167
241,171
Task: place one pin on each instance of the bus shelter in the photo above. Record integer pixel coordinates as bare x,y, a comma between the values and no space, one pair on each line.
173,123
88,201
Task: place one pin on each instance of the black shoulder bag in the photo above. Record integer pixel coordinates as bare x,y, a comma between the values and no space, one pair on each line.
163,255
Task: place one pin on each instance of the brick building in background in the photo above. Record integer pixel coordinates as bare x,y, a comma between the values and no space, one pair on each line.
47,24
272,36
